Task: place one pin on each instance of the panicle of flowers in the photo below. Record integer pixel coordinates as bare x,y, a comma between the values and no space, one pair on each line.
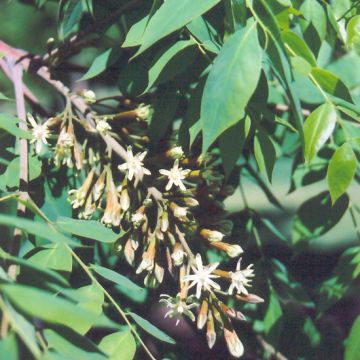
163,205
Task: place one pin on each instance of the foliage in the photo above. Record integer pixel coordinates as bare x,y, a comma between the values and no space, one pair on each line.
119,190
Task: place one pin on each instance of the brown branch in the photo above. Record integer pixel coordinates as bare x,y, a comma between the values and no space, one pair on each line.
16,72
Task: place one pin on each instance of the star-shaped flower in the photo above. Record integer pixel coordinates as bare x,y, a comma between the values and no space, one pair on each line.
175,176
202,276
240,279
40,133
134,165
179,307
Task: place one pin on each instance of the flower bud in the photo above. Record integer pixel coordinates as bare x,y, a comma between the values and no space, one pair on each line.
202,317
231,250
164,221
233,343
191,202
143,112
103,127
176,152
251,298
89,96
178,255
124,199
210,331
212,235
129,252
99,186
159,273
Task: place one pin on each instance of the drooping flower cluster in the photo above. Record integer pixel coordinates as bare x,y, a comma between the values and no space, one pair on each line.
163,203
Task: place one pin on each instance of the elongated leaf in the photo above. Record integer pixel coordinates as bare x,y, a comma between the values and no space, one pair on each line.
341,171
9,124
39,271
318,128
37,228
56,257
316,216
352,348
119,345
70,13
87,228
4,97
69,349
331,84
265,153
53,309
353,31
232,80
101,63
179,55
134,35
205,34
151,329
298,46
126,286
232,142
24,329
171,16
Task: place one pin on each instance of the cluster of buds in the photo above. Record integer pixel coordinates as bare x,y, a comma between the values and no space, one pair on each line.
162,203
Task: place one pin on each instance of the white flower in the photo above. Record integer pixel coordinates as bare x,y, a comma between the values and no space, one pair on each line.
202,276
40,133
178,256
175,175
77,197
137,217
103,127
134,165
240,279
179,307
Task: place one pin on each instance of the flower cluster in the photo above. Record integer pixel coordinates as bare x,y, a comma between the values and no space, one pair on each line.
162,202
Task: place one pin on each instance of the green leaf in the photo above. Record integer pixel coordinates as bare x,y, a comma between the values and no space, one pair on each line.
316,216
171,62
10,177
298,46
23,328
273,319
171,16
39,271
352,347
232,81
126,286
119,345
265,153
331,84
101,63
89,297
134,35
9,347
231,143
151,329
204,33
37,228
70,349
56,257
53,309
87,228
317,129
353,31
70,13
341,170
9,124
4,97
